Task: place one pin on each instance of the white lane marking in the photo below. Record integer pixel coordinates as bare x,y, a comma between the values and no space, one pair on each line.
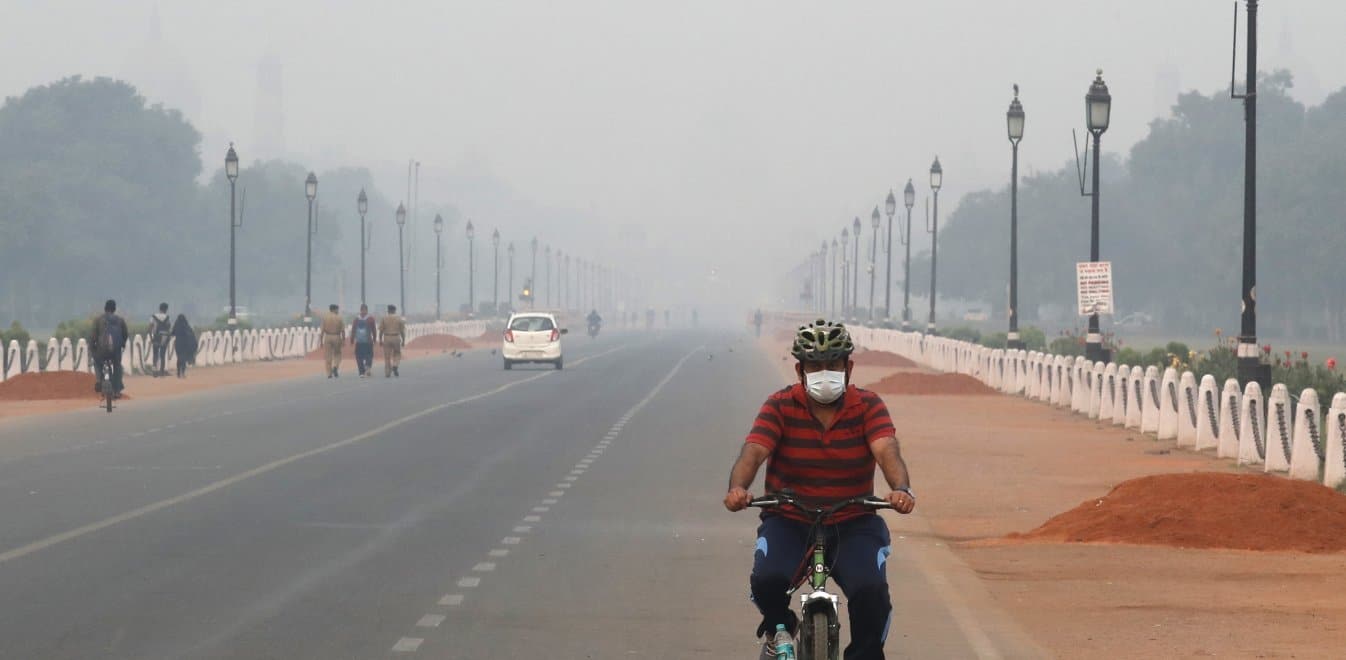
133,514
134,468
550,500
541,509
407,645
469,582
577,472
585,462
153,430
571,478
563,485
484,567
532,518
430,621
137,434
523,529
451,599
511,540
557,493
499,552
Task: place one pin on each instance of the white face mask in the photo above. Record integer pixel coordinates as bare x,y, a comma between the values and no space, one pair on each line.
825,386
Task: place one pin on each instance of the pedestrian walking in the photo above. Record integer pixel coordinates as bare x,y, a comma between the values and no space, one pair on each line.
392,333
161,331
363,331
333,336
184,344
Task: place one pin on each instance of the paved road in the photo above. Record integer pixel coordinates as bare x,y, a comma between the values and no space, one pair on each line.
461,511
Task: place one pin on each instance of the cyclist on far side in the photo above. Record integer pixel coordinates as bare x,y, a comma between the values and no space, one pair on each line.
824,437
107,342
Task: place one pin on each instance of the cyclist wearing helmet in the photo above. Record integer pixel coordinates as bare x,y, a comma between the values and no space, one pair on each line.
823,437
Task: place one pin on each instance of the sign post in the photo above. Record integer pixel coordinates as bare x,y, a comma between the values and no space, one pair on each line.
1093,287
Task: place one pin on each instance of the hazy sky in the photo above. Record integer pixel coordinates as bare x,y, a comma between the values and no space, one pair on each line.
739,132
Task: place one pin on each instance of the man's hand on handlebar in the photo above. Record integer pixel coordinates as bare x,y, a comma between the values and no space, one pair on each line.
737,499
901,501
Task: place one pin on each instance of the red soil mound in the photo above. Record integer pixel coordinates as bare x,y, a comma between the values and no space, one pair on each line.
439,342
881,359
1207,510
915,383
50,385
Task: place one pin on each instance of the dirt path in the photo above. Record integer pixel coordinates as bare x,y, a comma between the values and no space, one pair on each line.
205,378
986,466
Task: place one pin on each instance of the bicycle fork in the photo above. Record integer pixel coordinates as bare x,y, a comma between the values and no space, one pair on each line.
818,603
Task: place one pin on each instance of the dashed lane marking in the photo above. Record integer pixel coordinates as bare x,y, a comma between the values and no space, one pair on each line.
407,645
430,621
451,600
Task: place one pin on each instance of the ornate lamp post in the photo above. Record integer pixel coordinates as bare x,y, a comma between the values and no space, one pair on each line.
471,270
495,280
1098,111
890,207
311,192
439,264
855,272
908,200
1014,122
936,182
362,205
401,254
231,172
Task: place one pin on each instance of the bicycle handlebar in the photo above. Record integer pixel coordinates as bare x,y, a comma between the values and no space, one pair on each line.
772,500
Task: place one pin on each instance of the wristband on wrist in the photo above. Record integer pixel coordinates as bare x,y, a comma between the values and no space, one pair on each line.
907,490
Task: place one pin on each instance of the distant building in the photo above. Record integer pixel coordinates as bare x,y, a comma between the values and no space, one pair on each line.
158,72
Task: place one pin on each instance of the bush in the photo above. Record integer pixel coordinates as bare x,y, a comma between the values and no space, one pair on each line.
1067,345
74,329
1034,339
14,333
963,333
222,323
995,340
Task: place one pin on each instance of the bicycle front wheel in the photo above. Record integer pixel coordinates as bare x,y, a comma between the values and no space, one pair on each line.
818,637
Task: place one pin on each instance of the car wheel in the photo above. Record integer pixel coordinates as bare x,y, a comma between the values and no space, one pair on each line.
508,365
558,364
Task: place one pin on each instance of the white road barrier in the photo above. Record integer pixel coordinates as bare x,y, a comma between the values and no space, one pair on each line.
1276,430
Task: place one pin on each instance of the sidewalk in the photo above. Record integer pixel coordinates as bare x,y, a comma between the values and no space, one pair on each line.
985,466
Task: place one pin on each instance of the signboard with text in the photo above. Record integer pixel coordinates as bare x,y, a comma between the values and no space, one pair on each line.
1093,287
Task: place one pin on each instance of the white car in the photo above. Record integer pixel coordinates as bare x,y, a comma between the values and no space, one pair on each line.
532,337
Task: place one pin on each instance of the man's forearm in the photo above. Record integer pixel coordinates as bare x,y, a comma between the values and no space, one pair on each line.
888,455
745,468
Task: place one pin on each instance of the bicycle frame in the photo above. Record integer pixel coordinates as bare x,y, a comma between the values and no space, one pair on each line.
818,600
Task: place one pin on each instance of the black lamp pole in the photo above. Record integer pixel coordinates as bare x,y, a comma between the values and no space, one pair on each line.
855,273
1014,120
471,270
495,280
908,200
439,262
401,265
311,192
362,205
1249,367
936,182
1098,109
890,206
231,171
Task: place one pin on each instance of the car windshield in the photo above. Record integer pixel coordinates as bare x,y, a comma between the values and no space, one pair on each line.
531,324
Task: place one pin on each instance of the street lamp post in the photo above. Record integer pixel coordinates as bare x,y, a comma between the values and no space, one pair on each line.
832,292
231,172
1098,110
439,263
908,200
401,266
855,273
936,182
873,258
311,192
532,278
509,290
890,207
845,272
495,266
1014,121
362,205
471,271
1250,368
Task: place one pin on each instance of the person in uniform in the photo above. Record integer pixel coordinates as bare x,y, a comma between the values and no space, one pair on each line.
333,335
392,331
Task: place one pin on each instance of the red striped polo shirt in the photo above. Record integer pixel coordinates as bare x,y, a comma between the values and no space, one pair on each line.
822,466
